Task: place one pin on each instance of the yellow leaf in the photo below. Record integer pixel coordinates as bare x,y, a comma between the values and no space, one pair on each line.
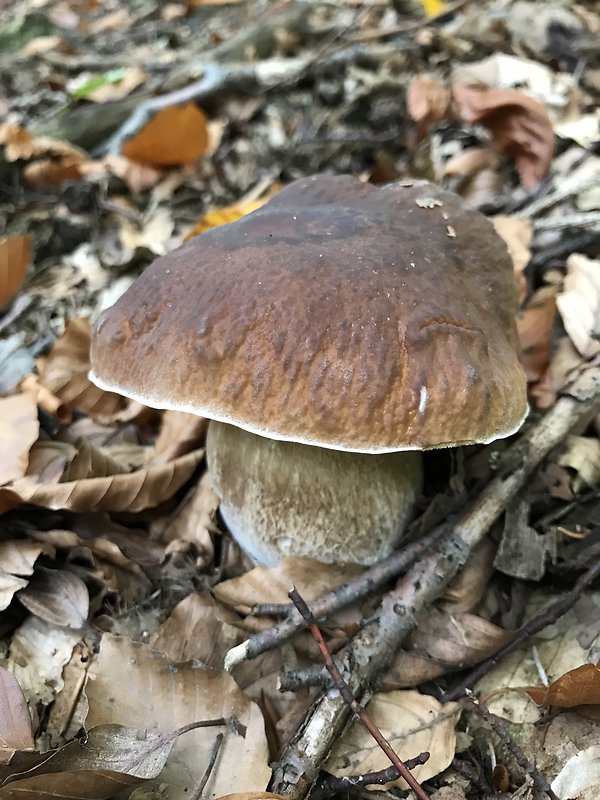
433,7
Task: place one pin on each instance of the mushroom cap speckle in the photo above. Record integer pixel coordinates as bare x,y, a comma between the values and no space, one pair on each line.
339,314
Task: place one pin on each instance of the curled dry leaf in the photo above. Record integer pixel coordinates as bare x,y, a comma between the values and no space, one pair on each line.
520,126
582,454
517,234
271,585
19,556
109,758
15,722
51,161
9,586
579,304
19,429
412,723
427,102
15,252
132,492
179,433
38,654
534,325
65,373
58,597
176,135
579,686
118,693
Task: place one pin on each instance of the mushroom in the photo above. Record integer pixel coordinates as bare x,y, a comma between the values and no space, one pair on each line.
329,336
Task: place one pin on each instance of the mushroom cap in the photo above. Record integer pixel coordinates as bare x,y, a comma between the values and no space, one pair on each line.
339,314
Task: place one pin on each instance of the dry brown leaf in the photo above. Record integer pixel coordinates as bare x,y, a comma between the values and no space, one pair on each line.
19,144
109,758
467,589
179,433
534,325
579,304
15,252
262,585
517,234
427,102
9,586
64,372
58,597
19,429
194,521
412,723
198,628
44,398
135,491
41,44
225,215
520,126
470,161
176,135
118,20
579,686
15,722
46,172
130,683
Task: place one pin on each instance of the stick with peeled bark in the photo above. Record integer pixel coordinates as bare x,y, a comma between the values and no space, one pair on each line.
375,646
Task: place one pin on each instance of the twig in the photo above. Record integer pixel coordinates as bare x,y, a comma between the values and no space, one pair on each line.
375,646
330,785
211,763
349,698
586,219
232,723
495,724
567,190
547,617
330,602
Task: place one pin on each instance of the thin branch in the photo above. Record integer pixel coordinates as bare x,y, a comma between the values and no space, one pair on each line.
375,646
547,617
330,785
496,725
330,602
211,763
349,698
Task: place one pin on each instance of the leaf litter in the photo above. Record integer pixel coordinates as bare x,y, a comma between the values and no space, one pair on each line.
121,591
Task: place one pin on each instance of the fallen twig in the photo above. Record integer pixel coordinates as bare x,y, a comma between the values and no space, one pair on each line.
375,646
349,698
547,617
495,724
331,786
330,602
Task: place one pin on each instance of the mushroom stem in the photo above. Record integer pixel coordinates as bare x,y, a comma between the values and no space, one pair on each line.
288,499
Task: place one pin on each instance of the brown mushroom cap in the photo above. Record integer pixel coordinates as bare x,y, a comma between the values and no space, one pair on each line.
339,315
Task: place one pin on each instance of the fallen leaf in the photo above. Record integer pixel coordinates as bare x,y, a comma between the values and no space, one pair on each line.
19,144
18,556
427,102
64,372
38,654
118,20
517,234
582,454
579,304
271,585
112,85
579,686
131,492
519,125
225,215
138,177
198,628
534,325
107,759
15,252
58,597
19,429
15,722
131,683
179,433
176,135
412,723
580,776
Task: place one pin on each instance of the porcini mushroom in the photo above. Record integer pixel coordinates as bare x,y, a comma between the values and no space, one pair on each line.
329,336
